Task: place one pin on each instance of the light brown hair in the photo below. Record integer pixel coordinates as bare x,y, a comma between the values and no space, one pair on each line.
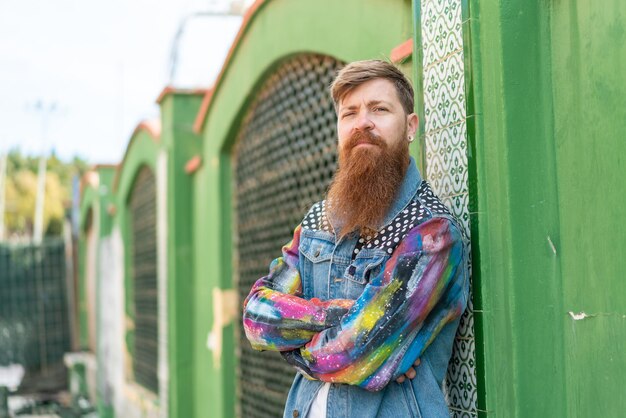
358,72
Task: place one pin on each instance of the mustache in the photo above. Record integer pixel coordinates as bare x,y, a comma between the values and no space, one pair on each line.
368,137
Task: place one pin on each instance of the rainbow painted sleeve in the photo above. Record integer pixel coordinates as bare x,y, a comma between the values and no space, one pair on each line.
422,288
276,317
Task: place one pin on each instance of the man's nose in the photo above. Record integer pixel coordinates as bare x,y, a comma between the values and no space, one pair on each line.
364,122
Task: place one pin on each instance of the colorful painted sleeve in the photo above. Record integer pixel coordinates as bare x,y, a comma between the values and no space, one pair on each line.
276,317
422,288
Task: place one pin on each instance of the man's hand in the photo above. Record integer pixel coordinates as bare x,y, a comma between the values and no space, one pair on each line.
410,374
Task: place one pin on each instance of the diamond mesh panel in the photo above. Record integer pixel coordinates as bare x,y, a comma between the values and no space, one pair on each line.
143,227
284,161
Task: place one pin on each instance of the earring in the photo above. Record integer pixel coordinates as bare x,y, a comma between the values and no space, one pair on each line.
411,138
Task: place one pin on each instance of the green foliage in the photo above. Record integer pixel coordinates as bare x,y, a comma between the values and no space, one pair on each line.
21,192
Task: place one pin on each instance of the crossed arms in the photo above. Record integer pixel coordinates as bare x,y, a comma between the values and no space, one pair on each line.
370,341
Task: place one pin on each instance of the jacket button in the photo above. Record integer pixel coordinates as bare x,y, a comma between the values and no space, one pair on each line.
296,414
317,254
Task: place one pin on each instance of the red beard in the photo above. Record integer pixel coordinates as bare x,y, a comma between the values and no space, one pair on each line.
366,182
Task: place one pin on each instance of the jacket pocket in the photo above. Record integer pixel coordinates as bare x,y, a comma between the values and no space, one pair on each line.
316,250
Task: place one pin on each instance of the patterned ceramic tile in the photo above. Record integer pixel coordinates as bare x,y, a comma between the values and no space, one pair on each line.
443,20
459,205
446,153
446,164
444,93
462,394
467,322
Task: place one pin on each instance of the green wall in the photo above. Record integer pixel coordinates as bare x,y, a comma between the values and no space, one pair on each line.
546,107
280,29
549,109
589,94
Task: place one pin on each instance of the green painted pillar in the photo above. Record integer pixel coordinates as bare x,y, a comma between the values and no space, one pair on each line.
549,88
178,112
518,274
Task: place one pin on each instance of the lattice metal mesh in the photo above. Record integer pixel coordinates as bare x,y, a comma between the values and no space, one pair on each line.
144,272
284,161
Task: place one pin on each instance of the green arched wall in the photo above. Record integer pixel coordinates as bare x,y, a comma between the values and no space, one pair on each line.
88,199
98,200
143,150
347,30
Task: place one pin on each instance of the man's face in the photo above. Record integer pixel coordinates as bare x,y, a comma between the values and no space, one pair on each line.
373,155
373,110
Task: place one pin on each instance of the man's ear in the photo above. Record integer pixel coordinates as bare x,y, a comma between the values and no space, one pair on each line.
412,123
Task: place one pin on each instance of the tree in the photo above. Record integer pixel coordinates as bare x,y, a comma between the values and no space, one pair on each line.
21,191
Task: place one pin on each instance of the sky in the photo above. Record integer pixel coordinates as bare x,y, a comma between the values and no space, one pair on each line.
77,76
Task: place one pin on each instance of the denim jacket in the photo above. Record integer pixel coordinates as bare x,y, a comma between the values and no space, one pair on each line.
357,312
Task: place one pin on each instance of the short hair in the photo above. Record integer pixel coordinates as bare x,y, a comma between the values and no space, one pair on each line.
358,72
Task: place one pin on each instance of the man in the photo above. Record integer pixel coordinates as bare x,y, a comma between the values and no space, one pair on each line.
366,299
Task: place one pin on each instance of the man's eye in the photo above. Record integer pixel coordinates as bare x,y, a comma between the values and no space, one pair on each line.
347,114
380,109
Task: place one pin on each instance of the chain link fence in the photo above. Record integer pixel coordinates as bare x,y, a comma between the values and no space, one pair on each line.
34,326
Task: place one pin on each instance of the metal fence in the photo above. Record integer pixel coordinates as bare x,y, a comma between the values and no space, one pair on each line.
34,327
142,206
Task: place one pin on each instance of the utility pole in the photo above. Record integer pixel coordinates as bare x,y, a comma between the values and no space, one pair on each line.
41,197
41,173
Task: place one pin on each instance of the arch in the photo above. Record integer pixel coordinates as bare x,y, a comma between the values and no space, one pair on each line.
143,149
144,152
88,196
270,33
